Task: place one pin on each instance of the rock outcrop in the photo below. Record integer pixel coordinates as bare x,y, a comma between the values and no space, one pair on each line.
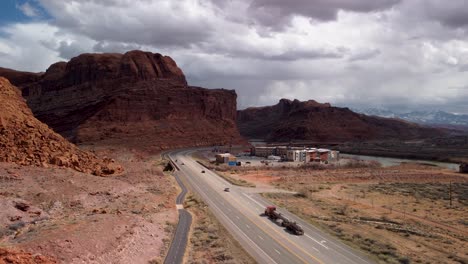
9,256
136,94
295,120
27,141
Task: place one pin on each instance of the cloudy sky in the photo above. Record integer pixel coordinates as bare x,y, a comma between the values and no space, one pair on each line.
395,54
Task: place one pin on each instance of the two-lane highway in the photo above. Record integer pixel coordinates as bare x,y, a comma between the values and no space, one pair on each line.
176,252
268,242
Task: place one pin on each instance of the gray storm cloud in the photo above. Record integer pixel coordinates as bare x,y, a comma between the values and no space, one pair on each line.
271,11
390,53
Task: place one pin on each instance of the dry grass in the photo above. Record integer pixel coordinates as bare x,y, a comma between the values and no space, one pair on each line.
210,242
234,181
399,214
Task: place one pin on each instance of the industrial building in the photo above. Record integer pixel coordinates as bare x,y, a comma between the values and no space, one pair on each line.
263,151
297,154
225,158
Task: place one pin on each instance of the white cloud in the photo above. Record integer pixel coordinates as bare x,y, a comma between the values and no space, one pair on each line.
28,9
35,46
22,46
384,53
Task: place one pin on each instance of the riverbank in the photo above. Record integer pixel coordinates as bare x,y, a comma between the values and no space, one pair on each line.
388,162
451,150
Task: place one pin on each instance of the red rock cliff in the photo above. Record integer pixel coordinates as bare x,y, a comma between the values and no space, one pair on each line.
101,96
295,120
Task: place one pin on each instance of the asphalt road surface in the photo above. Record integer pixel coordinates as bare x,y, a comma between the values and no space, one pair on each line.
241,211
176,252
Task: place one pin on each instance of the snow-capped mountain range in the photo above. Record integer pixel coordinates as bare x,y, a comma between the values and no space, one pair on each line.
420,117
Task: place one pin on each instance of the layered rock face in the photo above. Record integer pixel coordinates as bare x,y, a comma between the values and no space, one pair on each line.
27,141
101,96
295,120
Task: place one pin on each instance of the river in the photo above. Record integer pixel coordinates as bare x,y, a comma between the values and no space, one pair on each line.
387,162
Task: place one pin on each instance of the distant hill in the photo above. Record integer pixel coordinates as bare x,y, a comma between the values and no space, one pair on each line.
310,120
420,117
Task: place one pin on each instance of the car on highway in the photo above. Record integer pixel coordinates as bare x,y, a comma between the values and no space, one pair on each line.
226,189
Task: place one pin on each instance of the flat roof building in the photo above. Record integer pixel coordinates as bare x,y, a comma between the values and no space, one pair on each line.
297,154
225,158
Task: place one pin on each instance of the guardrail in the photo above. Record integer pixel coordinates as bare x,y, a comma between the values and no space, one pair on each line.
202,164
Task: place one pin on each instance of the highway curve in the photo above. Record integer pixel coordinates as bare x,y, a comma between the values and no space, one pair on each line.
240,212
176,252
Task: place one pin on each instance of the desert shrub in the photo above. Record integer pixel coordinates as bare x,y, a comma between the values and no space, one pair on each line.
5,232
354,164
17,226
301,194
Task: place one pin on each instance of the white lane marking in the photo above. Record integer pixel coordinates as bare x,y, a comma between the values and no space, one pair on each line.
247,226
245,235
246,195
312,228
340,246
261,238
195,185
343,247
313,238
277,252
318,242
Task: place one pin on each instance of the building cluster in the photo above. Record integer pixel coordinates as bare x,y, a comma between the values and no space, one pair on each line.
297,154
226,158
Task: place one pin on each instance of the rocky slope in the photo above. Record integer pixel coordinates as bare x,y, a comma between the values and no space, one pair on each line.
9,256
26,141
132,95
295,120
